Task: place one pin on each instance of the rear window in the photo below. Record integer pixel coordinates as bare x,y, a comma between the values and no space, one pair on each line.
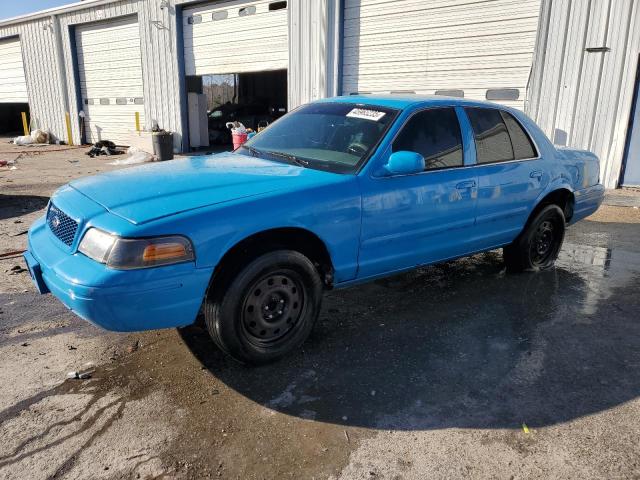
499,136
522,145
493,143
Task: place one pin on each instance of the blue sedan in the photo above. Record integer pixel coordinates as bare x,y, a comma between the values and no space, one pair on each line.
337,192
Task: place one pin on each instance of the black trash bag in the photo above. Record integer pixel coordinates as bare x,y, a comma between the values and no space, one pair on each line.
104,147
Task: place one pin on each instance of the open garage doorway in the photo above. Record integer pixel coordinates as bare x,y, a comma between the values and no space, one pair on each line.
11,118
255,99
13,88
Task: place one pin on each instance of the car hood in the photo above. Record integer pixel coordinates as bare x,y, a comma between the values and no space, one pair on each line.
152,191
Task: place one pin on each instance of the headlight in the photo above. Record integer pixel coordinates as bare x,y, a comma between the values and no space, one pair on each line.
130,253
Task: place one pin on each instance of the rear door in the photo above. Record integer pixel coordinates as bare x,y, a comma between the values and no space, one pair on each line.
410,220
511,176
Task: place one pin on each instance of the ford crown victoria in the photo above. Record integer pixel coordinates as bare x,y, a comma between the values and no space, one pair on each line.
337,192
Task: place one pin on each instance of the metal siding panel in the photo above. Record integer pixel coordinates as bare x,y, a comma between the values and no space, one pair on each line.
412,45
314,42
627,65
608,94
594,93
570,81
592,77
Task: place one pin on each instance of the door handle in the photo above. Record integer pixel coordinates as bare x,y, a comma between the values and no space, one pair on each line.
466,185
536,174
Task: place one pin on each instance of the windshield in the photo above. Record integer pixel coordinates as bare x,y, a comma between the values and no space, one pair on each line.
329,136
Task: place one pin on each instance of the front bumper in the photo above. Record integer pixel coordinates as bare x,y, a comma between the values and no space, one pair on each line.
124,301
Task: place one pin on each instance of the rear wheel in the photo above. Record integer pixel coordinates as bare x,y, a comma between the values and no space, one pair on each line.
267,309
537,247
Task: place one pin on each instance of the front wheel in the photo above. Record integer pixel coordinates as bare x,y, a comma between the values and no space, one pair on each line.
538,246
268,309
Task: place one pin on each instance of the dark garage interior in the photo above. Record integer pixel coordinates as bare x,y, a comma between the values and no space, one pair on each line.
255,99
11,118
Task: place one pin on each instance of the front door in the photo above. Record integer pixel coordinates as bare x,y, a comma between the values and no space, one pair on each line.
411,220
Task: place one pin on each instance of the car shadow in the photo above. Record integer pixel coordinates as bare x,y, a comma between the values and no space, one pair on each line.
462,344
17,205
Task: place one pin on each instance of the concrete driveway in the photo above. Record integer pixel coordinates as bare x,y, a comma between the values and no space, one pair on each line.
456,370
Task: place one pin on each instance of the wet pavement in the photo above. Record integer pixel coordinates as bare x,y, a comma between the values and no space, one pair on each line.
454,370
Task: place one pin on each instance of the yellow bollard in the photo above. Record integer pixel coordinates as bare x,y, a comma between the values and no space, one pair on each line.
67,118
25,125
138,122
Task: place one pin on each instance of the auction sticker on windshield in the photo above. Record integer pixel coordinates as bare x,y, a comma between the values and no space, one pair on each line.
366,114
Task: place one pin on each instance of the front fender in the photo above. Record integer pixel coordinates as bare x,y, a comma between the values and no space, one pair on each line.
332,213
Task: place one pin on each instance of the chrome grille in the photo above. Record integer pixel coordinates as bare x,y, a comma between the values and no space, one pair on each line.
62,225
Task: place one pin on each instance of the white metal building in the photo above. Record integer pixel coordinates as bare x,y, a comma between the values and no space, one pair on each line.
117,66
585,73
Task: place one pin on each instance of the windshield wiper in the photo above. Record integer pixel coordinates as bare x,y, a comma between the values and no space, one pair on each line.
292,158
254,151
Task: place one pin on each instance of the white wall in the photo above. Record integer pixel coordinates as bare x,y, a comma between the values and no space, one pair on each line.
314,42
581,99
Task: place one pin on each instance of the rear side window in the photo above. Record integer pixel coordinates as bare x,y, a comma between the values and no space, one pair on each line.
434,134
522,144
493,143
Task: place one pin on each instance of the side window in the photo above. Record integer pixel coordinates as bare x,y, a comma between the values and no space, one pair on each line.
493,143
522,144
434,134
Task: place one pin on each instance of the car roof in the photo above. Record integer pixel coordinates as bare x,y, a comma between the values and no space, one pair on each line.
403,101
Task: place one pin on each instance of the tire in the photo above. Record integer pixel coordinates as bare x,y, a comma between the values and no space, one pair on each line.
537,247
267,309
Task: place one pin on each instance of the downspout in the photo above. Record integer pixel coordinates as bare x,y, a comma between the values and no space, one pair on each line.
62,73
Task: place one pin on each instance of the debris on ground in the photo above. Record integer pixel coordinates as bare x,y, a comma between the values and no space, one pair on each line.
11,253
135,155
132,348
37,136
83,374
16,269
9,163
104,147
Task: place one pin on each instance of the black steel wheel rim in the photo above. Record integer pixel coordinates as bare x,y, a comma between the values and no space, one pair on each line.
272,308
543,243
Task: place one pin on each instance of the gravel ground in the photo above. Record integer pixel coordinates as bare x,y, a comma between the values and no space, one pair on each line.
456,370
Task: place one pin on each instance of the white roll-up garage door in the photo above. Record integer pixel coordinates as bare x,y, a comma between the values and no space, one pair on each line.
110,69
13,85
424,47
236,37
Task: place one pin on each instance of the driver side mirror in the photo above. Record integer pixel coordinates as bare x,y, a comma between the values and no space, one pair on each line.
405,163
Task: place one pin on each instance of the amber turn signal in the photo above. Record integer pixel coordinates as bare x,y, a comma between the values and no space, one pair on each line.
163,251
